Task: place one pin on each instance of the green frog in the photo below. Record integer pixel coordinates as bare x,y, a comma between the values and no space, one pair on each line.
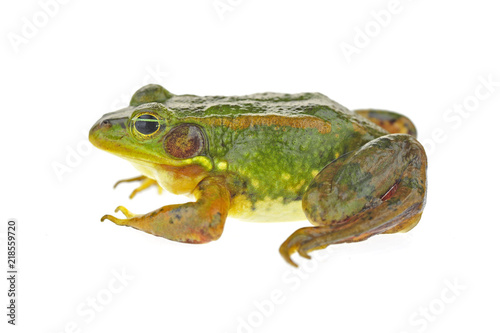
268,157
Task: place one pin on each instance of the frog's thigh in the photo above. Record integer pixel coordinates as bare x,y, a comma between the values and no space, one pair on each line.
392,122
378,189
193,222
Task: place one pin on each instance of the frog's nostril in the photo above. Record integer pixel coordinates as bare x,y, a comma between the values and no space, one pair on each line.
105,123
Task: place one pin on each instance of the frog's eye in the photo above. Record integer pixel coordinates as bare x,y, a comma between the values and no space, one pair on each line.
184,141
147,124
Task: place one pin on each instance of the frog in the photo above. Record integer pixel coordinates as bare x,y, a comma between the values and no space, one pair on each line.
268,157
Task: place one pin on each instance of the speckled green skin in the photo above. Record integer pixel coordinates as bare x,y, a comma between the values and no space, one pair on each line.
262,155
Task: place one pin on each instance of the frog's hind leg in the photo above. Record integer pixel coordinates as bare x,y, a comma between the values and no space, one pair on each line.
380,188
392,122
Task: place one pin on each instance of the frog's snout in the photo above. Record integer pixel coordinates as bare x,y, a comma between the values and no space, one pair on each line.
110,127
100,128
105,123
101,124
111,119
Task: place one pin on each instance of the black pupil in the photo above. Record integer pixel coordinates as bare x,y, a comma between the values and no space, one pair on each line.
146,124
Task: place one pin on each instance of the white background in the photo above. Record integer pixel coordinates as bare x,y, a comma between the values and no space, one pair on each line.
88,57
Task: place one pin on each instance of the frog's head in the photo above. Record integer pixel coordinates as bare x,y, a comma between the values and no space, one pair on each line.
155,141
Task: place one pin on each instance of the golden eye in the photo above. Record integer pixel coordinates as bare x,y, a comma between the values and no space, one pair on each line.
184,141
147,124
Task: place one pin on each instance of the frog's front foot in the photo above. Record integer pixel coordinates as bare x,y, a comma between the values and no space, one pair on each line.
118,221
146,182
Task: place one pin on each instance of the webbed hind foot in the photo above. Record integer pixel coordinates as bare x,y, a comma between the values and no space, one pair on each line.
380,188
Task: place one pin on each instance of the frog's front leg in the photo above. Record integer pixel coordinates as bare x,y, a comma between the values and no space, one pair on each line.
146,182
193,222
380,188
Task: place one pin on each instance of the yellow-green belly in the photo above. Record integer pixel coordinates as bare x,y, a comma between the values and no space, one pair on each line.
267,210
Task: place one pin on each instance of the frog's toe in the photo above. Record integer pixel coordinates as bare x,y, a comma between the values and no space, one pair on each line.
303,252
295,243
286,253
118,221
145,183
125,212
129,180
113,219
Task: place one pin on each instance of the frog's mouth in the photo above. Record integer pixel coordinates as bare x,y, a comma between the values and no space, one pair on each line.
110,133
109,130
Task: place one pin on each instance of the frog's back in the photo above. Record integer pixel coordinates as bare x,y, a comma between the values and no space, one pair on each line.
289,105
262,103
303,110
273,144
